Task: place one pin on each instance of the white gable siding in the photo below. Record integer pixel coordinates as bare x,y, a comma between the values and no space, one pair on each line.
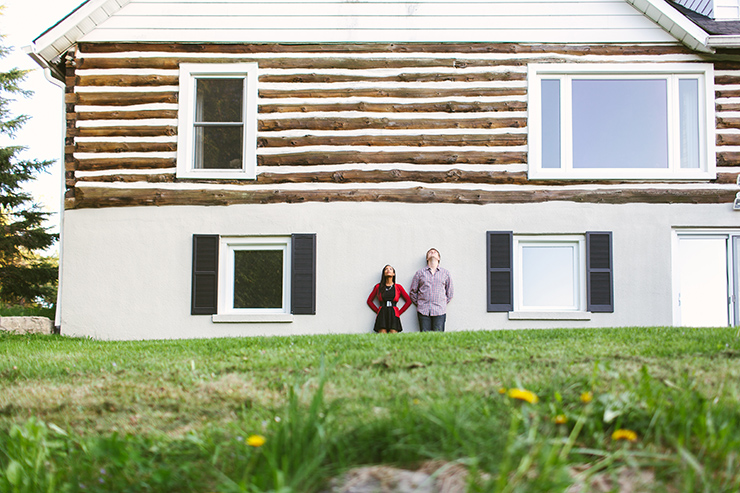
541,21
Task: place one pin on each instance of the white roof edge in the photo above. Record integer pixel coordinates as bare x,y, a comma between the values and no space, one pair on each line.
58,39
724,41
675,23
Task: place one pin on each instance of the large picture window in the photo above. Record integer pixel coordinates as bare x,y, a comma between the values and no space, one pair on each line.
628,121
217,121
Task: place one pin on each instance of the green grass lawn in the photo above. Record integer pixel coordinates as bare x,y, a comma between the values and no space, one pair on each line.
83,415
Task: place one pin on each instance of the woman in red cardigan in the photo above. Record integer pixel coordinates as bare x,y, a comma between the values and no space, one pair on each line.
387,292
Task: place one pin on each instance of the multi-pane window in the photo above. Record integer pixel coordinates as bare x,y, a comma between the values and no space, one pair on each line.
632,121
217,121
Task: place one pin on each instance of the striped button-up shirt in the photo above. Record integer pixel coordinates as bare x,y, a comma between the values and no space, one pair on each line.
431,292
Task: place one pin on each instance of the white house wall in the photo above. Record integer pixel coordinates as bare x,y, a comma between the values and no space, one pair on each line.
127,271
542,21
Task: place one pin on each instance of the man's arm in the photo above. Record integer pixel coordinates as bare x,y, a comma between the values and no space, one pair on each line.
414,289
449,288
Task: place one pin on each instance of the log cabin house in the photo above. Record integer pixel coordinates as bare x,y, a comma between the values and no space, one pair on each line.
239,168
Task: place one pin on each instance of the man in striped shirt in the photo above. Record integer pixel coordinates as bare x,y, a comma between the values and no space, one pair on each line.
431,290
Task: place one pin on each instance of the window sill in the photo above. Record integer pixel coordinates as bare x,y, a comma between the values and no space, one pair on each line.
549,316
215,175
280,318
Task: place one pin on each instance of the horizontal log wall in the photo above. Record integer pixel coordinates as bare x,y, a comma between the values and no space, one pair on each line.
387,122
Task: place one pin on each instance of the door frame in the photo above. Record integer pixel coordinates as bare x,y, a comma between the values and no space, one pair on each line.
732,283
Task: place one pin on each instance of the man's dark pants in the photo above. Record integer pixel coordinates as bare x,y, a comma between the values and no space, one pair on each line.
432,323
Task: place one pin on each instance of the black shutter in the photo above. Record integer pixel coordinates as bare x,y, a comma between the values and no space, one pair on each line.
204,296
499,246
303,274
599,272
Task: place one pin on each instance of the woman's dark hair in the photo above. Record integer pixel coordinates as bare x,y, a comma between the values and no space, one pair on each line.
382,275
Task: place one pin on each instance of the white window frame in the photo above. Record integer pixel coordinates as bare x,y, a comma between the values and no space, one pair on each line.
579,270
189,74
672,72
231,244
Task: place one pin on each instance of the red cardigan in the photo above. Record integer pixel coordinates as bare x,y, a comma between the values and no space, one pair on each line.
400,292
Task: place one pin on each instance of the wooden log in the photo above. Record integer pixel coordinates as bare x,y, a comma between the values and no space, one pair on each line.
726,93
125,146
97,164
127,80
396,92
727,178
446,107
123,98
396,140
126,115
142,131
726,79
387,123
317,158
728,140
512,48
728,159
728,122
401,78
158,63
378,176
98,197
727,106
726,64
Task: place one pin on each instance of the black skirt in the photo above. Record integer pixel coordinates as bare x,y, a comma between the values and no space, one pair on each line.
387,318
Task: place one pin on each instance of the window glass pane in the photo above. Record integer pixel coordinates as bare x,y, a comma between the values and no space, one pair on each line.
258,279
219,100
547,276
620,123
218,147
688,95
551,123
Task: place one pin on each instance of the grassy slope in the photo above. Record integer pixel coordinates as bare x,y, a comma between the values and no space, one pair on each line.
395,398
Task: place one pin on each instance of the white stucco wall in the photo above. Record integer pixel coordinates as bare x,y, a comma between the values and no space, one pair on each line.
127,271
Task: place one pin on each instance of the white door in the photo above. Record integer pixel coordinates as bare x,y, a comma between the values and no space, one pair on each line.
703,290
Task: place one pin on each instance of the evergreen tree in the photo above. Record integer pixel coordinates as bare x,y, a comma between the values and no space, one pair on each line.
26,278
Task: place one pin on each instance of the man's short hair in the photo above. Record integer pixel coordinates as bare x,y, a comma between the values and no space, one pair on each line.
438,254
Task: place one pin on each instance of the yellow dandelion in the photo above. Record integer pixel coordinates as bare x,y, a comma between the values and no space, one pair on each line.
622,434
416,402
502,390
524,395
255,440
560,419
587,397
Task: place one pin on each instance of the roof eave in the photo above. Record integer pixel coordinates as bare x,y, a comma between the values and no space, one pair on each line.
675,23
53,43
724,41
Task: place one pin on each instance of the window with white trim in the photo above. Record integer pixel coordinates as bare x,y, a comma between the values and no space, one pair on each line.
568,274
253,278
217,121
255,275
627,121
549,273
